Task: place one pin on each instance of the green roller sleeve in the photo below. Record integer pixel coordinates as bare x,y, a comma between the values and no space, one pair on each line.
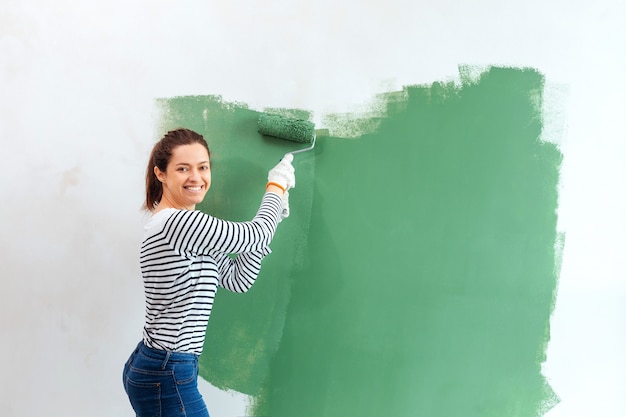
296,130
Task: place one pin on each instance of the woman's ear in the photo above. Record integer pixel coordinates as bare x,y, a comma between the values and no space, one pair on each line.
159,174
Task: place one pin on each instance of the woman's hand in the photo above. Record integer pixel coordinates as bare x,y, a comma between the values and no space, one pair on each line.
283,174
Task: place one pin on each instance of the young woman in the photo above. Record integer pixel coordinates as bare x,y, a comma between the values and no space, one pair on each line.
184,258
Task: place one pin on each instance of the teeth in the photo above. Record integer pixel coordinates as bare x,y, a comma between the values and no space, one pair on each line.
194,188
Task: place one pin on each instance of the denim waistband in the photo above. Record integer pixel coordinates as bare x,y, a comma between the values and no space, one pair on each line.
166,355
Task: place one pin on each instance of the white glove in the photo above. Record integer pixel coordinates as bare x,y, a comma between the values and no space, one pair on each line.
283,173
285,212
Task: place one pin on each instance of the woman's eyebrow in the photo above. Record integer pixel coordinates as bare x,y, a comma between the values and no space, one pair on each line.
187,163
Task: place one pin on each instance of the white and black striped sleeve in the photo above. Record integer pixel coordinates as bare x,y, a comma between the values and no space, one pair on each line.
239,274
195,233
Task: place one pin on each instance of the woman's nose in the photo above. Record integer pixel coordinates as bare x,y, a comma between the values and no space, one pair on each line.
194,174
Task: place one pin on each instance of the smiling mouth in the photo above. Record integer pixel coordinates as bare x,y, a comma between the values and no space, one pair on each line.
194,188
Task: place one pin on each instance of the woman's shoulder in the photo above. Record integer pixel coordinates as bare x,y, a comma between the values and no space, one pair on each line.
172,215
158,220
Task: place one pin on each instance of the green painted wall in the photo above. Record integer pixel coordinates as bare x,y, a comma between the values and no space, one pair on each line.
417,273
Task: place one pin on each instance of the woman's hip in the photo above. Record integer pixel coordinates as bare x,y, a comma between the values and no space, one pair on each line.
161,384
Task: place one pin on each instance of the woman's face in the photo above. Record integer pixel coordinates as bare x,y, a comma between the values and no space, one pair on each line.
187,177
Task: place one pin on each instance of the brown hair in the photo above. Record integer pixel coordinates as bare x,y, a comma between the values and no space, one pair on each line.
160,158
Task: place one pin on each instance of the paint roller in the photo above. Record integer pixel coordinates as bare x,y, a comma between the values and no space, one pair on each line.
287,128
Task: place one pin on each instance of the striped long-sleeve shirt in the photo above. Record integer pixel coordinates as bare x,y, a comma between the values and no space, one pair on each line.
185,257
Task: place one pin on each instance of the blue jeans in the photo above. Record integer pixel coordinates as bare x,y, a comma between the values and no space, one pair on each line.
163,384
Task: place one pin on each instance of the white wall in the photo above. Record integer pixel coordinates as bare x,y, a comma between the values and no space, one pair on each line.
77,87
